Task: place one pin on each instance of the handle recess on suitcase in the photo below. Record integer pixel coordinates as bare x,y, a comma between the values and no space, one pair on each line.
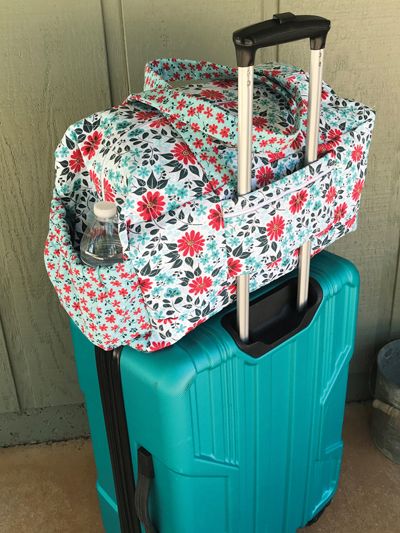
283,28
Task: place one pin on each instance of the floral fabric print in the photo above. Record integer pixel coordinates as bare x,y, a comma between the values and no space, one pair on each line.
168,158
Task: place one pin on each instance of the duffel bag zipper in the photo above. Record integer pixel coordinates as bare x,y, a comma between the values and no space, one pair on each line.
240,212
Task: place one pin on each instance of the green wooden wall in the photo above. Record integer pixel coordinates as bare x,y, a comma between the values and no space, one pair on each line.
61,60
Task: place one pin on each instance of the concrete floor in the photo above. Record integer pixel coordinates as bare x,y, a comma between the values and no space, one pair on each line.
51,488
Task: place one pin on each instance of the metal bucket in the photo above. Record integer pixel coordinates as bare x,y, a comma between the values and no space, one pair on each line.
386,406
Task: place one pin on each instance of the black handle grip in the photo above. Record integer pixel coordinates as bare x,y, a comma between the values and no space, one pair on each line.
283,28
145,478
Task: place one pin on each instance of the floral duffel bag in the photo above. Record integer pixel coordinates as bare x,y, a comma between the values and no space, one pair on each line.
167,157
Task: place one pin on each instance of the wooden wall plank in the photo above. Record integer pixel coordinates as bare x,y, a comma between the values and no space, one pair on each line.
116,50
362,63
8,393
190,29
395,318
54,71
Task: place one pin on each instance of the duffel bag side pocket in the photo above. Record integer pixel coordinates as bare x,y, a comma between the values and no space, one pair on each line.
104,302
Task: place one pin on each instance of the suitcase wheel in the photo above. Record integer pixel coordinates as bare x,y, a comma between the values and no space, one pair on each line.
318,515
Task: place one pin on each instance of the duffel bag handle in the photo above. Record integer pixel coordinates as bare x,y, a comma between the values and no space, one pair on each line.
160,93
282,28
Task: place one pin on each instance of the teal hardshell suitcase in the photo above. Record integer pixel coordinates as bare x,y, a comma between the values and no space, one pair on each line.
239,444
237,427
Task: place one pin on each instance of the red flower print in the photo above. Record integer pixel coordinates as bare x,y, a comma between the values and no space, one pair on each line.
229,105
323,149
259,123
264,176
191,243
224,84
297,142
351,221
334,136
200,285
120,268
91,144
357,190
234,267
224,132
275,228
211,94
212,186
297,201
145,115
232,288
357,153
109,193
212,128
183,153
76,163
151,205
275,156
198,143
216,218
159,122
144,284
274,263
95,180
330,195
339,213
159,345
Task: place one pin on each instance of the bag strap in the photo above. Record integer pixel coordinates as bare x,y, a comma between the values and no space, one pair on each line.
206,118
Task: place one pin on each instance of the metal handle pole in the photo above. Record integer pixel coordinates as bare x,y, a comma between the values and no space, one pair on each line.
314,105
245,122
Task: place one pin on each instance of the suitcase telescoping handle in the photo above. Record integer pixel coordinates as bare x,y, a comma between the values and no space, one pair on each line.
283,28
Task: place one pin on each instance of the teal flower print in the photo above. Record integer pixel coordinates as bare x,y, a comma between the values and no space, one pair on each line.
201,210
172,293
123,125
125,161
170,189
62,152
133,134
171,206
182,193
143,172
